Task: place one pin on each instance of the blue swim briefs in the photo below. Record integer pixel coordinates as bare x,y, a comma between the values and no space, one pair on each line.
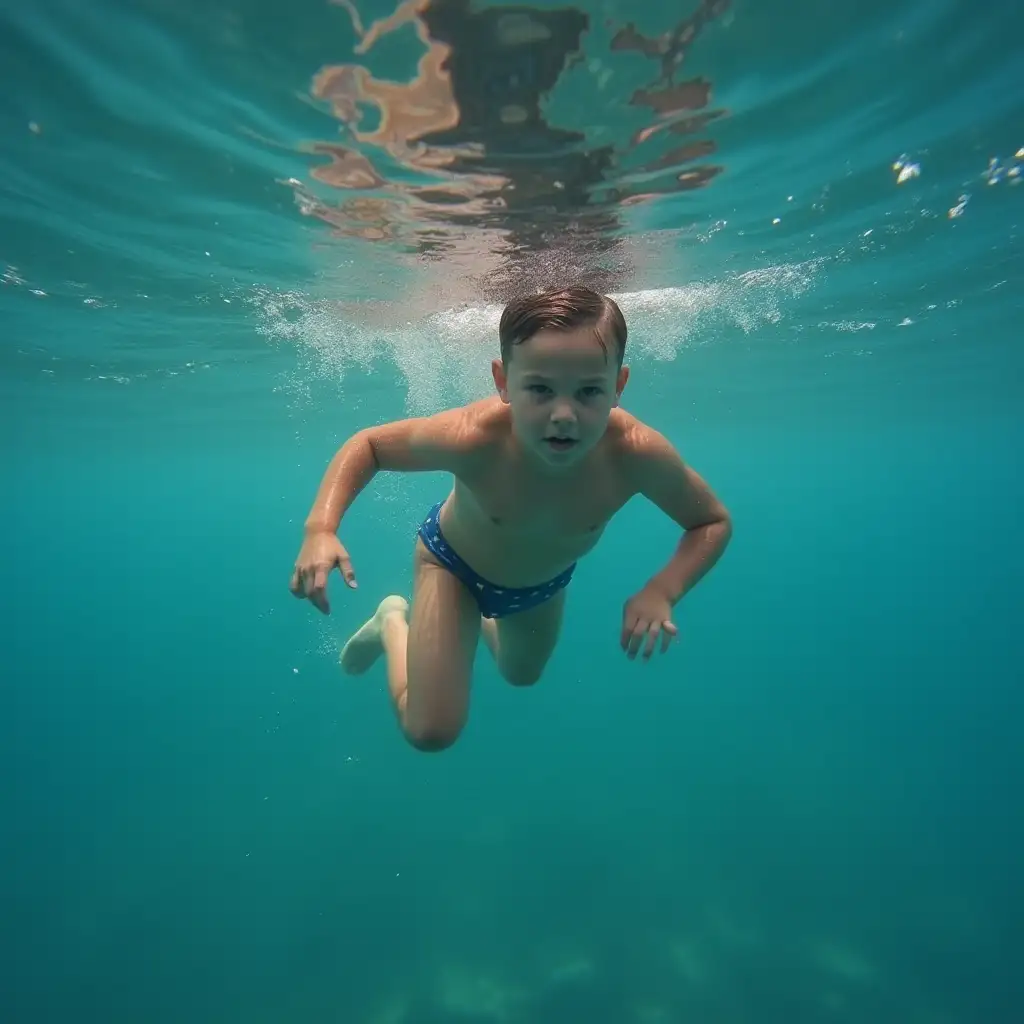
493,601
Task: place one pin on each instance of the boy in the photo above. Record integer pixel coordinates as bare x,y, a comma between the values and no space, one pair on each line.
539,471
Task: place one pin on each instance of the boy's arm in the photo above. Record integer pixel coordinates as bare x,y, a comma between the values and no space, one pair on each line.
662,477
447,442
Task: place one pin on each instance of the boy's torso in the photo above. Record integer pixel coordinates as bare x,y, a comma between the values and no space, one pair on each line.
517,526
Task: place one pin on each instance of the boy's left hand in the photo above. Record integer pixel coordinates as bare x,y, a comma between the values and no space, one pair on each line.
646,617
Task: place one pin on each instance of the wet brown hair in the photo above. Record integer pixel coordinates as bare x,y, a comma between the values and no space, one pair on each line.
563,310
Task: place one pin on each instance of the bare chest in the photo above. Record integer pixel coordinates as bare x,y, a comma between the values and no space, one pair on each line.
513,503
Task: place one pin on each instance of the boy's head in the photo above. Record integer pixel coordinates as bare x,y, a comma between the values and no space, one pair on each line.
561,369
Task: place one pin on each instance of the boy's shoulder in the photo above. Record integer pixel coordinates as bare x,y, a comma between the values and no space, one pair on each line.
630,437
640,453
475,428
487,419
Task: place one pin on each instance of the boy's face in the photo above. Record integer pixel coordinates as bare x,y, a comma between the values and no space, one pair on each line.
561,386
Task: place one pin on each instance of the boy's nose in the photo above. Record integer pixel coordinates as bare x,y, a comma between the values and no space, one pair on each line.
563,412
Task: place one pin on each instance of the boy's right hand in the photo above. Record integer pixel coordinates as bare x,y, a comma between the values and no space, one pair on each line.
320,553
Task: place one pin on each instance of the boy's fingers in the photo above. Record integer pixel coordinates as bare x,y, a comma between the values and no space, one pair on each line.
637,642
653,632
319,580
637,638
627,632
642,638
629,637
668,633
347,572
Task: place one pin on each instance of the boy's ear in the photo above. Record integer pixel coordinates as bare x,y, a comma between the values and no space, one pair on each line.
620,382
500,379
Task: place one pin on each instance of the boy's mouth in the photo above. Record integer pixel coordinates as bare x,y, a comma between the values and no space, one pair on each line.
560,444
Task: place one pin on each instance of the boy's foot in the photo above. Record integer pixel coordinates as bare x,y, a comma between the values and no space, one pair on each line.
365,645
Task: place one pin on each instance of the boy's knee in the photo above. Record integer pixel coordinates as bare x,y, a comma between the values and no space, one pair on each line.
522,675
432,737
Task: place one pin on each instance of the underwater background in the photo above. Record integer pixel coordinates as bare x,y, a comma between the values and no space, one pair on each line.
233,233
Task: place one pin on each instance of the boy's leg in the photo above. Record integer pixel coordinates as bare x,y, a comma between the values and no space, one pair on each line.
429,659
522,643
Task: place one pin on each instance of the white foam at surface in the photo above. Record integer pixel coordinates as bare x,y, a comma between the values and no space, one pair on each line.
444,356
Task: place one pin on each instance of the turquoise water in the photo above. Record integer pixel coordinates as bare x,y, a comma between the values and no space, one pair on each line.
809,812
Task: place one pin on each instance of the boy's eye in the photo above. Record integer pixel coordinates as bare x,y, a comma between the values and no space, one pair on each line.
592,390
538,389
